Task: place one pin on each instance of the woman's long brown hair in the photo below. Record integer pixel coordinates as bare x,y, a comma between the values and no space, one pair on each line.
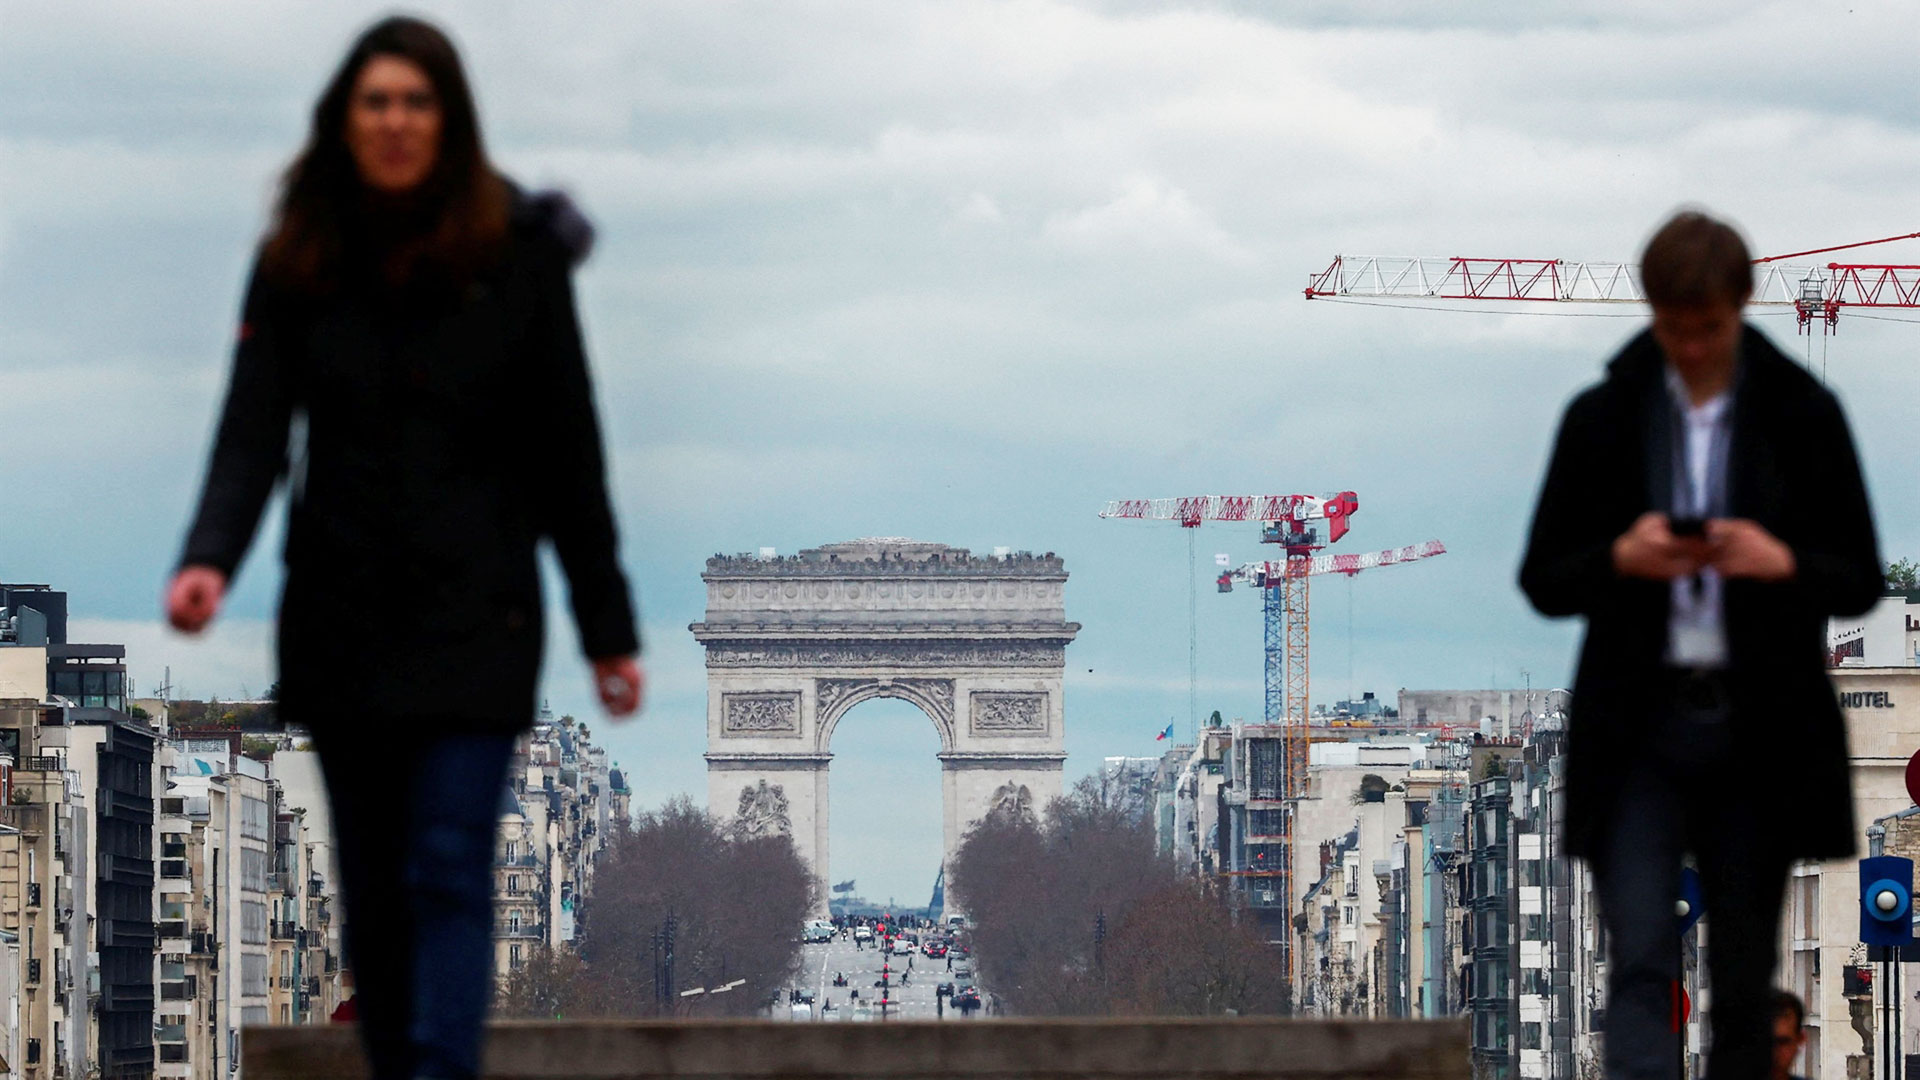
462,205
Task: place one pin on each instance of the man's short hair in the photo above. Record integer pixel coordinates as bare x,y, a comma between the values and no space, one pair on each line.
1695,260
1786,1003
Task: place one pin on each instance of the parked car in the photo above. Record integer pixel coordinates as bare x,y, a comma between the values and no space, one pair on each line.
963,970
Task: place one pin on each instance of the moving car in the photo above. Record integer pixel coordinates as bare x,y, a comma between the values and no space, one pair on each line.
817,932
935,949
863,933
902,947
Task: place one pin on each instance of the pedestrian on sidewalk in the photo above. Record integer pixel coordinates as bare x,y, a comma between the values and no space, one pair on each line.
1677,518
409,361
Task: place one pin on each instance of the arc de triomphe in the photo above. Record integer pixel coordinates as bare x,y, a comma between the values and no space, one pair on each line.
978,643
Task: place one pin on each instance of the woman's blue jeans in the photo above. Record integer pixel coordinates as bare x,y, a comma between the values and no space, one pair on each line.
414,814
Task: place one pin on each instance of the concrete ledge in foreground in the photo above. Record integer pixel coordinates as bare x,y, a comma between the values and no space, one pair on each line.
1053,1049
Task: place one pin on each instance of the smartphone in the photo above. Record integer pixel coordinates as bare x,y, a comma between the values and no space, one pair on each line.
1688,526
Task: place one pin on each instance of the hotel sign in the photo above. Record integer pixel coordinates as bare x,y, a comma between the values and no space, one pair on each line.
1866,699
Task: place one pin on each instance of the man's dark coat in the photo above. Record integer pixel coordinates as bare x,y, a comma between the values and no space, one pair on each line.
1791,468
446,433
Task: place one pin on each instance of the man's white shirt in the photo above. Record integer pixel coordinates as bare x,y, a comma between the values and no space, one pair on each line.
1696,626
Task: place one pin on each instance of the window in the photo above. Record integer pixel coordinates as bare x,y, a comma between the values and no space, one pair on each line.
1490,931
1265,768
253,977
253,870
253,922
1348,919
513,957
253,819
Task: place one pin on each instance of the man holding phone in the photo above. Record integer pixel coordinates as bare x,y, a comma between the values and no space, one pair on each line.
1704,511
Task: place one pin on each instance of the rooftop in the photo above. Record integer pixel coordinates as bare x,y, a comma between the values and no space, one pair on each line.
885,556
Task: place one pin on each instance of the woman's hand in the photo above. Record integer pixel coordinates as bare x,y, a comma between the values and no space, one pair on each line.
621,684
193,597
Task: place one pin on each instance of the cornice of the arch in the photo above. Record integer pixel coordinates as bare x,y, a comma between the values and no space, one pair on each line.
833,697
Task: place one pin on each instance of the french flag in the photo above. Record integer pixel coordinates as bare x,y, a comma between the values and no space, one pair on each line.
1165,733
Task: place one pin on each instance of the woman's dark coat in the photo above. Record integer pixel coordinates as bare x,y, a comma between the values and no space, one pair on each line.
1792,468
445,433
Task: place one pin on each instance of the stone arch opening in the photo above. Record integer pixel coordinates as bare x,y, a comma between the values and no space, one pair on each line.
837,697
884,806
978,644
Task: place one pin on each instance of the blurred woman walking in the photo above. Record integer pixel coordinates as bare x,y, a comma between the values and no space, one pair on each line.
409,359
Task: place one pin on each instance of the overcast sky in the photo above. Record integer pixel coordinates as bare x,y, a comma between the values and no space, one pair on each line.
963,272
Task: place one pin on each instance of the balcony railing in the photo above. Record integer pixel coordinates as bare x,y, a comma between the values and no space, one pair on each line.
33,894
283,929
1065,1049
33,972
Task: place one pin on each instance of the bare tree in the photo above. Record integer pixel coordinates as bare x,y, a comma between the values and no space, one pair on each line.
551,985
678,903
1079,914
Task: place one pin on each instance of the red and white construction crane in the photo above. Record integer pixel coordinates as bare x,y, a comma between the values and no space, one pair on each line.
1289,521
1813,292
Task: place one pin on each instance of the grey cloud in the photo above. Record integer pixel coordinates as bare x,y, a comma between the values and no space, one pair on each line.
966,271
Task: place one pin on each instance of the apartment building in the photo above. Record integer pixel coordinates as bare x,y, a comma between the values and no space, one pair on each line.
1819,940
555,815
42,856
217,811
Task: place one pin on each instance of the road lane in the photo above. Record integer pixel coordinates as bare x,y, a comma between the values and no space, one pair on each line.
862,967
